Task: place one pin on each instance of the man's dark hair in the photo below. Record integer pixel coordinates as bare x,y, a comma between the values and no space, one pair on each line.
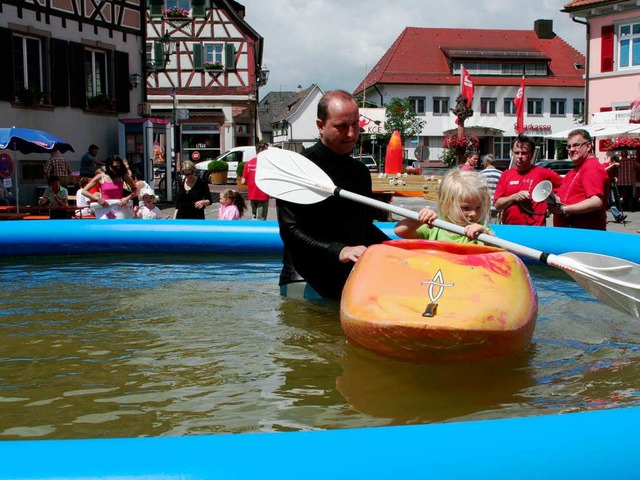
93,147
323,104
53,178
524,140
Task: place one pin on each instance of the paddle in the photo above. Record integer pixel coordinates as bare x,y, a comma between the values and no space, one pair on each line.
289,176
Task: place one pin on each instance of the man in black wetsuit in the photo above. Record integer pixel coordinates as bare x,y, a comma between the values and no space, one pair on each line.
323,240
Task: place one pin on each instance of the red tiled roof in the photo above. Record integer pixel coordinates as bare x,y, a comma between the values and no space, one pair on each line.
418,57
587,3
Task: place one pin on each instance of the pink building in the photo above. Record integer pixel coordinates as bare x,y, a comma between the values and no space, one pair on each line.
612,69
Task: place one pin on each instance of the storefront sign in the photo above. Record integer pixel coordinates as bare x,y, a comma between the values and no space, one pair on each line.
372,120
201,128
536,128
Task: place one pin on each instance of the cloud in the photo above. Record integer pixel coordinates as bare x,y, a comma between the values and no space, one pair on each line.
335,42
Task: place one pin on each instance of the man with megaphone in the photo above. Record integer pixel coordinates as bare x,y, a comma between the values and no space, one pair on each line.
514,193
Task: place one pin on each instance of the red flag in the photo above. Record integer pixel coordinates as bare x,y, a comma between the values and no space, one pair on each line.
519,103
635,111
466,84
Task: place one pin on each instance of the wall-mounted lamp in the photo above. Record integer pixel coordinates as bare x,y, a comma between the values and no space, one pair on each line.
263,77
134,80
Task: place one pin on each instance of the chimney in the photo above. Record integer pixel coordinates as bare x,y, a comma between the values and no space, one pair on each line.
544,29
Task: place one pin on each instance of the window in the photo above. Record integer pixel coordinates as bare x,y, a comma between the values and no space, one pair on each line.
213,53
417,104
629,45
186,4
440,106
578,106
558,106
509,106
488,106
534,106
96,73
506,69
502,147
28,68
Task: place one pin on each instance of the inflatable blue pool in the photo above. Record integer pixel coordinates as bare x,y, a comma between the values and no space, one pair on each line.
598,444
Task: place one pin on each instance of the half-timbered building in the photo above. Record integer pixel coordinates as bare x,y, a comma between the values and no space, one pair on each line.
203,70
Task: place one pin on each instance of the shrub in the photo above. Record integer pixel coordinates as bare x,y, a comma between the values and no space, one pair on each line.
218,166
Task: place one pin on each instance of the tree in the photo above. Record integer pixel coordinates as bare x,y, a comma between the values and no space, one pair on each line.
401,117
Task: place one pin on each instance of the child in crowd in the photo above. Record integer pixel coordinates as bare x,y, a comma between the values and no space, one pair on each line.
232,205
148,209
82,201
463,199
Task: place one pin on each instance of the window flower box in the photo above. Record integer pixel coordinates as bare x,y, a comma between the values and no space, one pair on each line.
175,12
100,102
622,143
30,96
213,67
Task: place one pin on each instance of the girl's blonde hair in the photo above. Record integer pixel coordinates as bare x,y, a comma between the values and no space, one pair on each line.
463,186
237,199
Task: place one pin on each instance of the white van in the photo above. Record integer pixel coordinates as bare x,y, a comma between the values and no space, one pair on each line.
232,157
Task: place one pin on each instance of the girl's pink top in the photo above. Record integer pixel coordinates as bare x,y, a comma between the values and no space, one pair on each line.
112,191
228,212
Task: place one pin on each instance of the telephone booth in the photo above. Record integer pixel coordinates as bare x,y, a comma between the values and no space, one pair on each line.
144,142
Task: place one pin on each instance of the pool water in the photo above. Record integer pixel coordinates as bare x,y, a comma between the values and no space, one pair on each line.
118,346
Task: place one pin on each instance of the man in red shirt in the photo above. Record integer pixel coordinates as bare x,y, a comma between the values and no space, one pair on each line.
584,190
258,199
513,193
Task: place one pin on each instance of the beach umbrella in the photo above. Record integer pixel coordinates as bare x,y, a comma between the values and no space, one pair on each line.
28,140
393,159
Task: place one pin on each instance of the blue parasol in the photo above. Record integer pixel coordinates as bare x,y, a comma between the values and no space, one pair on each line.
27,140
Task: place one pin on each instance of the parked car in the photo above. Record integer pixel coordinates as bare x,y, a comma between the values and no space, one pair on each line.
369,161
232,157
562,167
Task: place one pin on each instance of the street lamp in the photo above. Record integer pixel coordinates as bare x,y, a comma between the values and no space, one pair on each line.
262,77
168,47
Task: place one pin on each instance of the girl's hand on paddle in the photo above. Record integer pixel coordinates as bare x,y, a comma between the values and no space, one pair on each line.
427,216
351,254
472,231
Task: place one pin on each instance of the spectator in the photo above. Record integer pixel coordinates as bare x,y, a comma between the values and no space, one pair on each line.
513,193
193,195
58,166
82,201
114,200
257,198
626,180
471,161
232,205
89,162
491,176
582,197
148,209
56,198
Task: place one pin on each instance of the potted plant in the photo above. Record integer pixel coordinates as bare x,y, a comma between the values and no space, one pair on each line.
100,102
29,96
215,66
239,169
218,171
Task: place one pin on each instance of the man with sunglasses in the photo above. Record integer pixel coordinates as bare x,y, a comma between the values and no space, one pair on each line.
584,190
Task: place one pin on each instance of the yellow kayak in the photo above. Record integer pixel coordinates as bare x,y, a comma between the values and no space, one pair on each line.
436,302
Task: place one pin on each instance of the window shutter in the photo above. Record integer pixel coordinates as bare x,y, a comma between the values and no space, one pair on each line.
121,75
77,87
198,62
230,56
198,8
158,56
7,88
156,7
59,72
606,59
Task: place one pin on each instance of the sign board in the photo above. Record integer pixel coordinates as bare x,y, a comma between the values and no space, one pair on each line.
6,165
195,155
182,114
372,120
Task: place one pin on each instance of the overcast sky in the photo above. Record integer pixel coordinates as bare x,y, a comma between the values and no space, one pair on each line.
335,42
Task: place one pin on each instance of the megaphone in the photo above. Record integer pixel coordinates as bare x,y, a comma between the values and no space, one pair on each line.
542,192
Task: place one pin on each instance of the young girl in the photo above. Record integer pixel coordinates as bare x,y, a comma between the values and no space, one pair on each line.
463,199
148,209
232,205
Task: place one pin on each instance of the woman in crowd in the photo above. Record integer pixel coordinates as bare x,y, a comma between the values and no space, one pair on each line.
193,196
113,201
